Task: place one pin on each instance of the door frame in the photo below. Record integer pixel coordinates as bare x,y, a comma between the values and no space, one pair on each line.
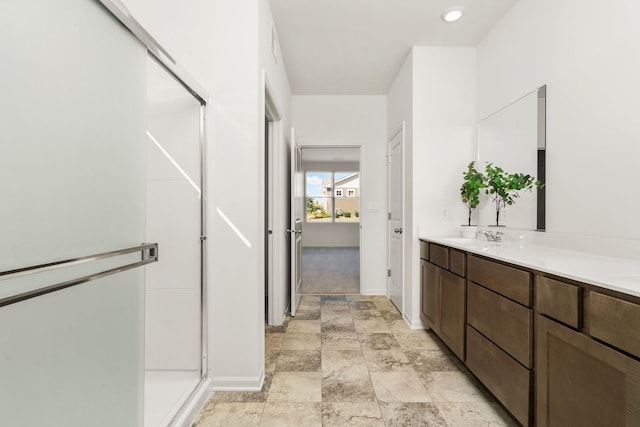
363,214
400,129
275,244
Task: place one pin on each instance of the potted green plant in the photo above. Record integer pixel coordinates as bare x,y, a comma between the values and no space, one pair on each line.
470,195
503,187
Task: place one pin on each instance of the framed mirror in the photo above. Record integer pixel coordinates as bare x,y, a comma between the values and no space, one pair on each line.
514,138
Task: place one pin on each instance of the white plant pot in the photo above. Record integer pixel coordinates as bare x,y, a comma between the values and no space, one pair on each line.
468,231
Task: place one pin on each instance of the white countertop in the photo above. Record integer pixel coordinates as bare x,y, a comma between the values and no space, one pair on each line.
616,274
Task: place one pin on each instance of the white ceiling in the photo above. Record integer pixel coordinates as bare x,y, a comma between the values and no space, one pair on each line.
356,47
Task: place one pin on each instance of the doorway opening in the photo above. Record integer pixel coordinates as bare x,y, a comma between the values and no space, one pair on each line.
332,220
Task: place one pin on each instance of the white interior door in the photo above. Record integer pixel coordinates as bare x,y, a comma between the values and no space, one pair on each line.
395,193
297,212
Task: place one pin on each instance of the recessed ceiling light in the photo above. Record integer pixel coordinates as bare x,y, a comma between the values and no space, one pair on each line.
452,14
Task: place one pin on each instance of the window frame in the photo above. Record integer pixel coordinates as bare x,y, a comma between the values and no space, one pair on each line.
332,198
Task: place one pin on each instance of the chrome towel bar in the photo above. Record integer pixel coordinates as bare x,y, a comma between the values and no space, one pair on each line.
149,254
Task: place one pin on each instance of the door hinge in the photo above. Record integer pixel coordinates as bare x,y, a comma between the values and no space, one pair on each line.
389,216
389,273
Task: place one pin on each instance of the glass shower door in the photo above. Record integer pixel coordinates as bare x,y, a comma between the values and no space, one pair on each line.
72,184
174,358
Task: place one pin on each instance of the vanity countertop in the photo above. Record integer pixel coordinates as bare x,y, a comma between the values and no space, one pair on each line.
616,274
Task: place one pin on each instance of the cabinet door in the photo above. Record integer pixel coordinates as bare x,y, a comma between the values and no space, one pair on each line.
452,318
582,382
429,277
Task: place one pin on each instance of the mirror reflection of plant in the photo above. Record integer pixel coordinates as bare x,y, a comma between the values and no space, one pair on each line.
473,182
503,187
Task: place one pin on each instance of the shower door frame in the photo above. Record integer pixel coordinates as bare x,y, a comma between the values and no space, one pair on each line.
166,62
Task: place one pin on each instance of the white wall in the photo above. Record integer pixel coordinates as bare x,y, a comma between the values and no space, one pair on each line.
355,120
587,54
221,43
436,89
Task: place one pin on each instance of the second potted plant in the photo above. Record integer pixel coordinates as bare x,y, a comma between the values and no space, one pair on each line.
503,187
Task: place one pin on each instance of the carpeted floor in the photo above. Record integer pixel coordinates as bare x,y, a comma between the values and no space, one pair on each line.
331,271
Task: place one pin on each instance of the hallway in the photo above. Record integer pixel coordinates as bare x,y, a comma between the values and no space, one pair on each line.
353,361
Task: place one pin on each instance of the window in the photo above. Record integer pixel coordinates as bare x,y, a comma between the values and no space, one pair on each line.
325,196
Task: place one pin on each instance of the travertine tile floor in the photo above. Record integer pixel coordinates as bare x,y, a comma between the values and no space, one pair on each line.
352,361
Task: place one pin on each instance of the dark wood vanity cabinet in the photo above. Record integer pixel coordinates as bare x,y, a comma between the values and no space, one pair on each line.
553,351
500,332
443,292
581,381
587,350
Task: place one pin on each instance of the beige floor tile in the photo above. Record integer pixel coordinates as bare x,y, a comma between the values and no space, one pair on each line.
378,341
310,306
273,342
304,327
430,360
291,415
362,305
417,340
271,360
307,315
475,414
397,414
347,387
299,361
374,326
299,387
399,326
338,324
399,387
232,414
340,341
301,342
391,315
343,360
451,387
371,314
335,313
276,329
351,414
386,361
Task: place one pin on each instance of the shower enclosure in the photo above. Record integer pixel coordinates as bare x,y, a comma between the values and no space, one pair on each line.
102,140
174,315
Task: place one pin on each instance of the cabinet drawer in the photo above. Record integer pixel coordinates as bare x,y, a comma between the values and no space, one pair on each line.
424,250
509,381
457,262
559,300
503,321
615,322
439,255
508,281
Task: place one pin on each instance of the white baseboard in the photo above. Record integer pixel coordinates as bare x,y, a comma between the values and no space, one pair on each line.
220,383
375,292
415,323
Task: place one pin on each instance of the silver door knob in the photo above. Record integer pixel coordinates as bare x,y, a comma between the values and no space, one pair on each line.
398,230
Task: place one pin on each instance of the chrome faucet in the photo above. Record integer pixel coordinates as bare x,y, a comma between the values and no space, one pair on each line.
491,236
